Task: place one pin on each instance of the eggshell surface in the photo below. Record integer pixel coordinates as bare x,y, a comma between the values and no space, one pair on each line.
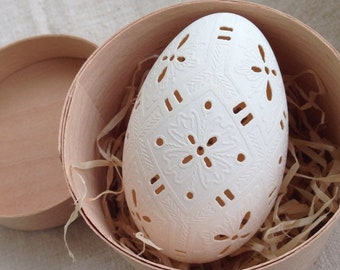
206,144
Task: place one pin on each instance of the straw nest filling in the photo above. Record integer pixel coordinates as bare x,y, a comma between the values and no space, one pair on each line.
308,197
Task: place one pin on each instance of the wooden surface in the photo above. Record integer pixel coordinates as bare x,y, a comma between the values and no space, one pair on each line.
97,21
35,77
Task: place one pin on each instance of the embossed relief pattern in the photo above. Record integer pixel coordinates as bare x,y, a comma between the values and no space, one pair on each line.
206,130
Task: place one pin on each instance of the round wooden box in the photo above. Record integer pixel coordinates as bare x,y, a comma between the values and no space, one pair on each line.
98,89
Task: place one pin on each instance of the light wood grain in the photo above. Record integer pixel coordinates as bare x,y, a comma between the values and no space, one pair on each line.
35,77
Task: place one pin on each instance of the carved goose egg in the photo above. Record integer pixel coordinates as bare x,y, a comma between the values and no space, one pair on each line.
206,143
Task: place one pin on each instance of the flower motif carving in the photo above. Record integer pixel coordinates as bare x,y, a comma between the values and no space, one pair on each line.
173,57
142,218
200,151
263,68
239,234
193,152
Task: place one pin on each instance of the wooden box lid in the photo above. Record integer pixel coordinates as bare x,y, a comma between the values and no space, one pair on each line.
35,75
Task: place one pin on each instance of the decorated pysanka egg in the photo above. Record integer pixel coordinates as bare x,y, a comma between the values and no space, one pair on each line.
206,144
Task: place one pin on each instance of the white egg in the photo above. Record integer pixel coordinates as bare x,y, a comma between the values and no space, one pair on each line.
206,143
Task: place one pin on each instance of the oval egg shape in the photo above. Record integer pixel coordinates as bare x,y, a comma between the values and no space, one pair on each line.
206,144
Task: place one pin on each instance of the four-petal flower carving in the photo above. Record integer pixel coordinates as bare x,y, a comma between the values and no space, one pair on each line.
266,70
240,234
173,57
200,151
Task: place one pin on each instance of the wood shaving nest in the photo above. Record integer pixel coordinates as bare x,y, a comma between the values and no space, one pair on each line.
307,199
